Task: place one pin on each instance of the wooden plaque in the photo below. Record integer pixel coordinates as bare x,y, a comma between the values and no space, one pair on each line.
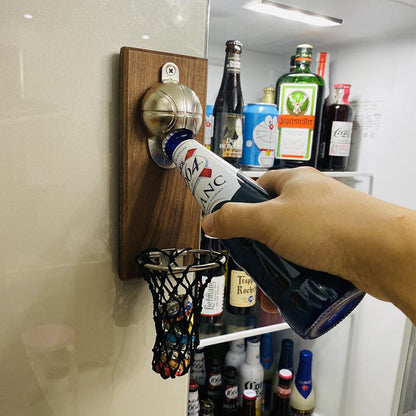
156,208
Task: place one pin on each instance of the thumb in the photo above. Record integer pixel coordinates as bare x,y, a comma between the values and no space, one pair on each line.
236,219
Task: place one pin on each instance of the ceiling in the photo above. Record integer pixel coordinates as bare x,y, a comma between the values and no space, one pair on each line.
364,20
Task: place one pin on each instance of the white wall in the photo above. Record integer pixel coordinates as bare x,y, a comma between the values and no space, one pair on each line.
59,85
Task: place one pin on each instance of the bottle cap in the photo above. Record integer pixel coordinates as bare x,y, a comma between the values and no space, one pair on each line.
285,374
304,53
236,44
249,394
193,385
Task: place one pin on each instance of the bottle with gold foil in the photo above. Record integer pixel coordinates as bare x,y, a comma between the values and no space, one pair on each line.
269,94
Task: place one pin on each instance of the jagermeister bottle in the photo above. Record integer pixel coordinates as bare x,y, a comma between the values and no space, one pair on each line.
311,302
299,100
227,141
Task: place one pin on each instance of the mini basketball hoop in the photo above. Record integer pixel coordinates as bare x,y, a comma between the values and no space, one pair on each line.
177,292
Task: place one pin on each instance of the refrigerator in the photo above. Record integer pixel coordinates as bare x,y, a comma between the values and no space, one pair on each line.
76,340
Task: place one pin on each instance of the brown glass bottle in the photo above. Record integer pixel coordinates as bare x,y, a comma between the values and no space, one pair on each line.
227,141
281,405
337,129
249,403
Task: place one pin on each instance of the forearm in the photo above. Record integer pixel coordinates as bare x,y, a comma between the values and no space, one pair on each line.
380,248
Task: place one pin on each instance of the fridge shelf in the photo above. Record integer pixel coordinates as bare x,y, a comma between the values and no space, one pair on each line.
333,174
213,340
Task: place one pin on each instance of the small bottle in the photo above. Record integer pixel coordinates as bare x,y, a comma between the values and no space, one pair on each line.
193,398
214,382
337,131
227,140
212,312
302,399
285,360
251,372
269,94
299,98
281,405
207,407
241,290
236,355
230,392
311,302
209,125
249,403
269,366
198,369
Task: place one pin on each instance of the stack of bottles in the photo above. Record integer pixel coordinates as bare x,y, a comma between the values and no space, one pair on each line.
232,301
248,379
297,123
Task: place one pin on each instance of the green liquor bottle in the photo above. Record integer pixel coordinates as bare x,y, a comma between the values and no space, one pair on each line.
299,100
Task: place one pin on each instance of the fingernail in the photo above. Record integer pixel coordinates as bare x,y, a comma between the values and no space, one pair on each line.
208,223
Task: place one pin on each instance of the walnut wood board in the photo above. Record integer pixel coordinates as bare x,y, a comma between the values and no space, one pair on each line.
156,208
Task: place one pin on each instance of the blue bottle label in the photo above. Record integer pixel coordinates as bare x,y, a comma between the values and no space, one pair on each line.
210,180
304,387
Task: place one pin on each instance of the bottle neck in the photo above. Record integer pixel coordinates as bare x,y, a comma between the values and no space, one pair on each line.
305,370
237,346
303,67
253,353
341,96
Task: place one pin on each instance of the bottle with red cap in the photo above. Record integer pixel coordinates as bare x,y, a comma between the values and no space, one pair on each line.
337,130
193,398
281,406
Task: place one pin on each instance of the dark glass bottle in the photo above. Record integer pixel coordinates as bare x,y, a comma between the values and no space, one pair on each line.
214,383
286,355
230,392
311,302
281,405
212,312
292,65
299,100
241,290
206,407
336,131
227,141
249,403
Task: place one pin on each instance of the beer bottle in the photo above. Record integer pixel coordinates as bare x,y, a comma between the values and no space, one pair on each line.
249,403
285,360
214,383
269,366
198,369
299,100
251,374
212,312
281,405
241,290
302,399
227,141
206,407
230,392
337,130
193,398
311,302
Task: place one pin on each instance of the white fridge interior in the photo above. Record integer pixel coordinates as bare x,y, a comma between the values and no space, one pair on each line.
359,366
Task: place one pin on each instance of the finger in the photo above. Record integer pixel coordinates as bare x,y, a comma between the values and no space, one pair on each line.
235,219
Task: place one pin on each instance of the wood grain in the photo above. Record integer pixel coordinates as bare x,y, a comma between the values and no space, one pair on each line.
156,208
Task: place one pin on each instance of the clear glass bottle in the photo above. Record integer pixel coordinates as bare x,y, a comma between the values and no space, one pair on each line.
212,312
193,398
299,98
227,140
337,131
269,94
